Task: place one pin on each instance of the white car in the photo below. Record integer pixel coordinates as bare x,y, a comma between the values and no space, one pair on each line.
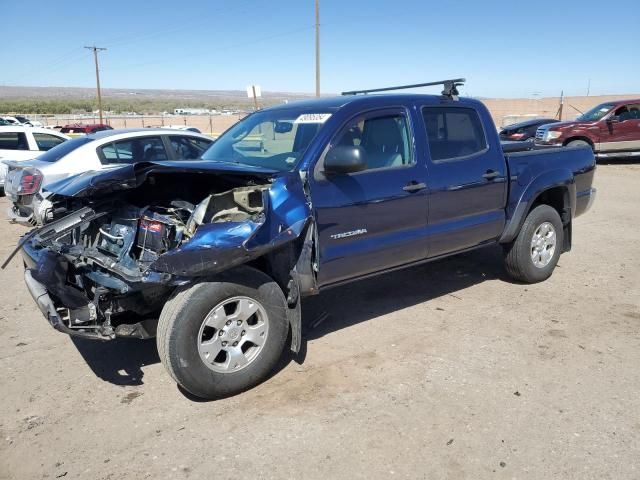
97,151
19,142
22,120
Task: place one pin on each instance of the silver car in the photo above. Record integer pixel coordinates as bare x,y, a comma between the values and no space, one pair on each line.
26,181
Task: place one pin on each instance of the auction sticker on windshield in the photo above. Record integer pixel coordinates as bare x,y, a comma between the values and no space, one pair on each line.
313,118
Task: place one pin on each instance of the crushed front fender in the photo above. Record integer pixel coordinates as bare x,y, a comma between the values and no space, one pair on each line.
216,247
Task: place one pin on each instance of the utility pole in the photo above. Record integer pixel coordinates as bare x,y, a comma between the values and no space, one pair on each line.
95,59
559,114
317,48
588,87
255,97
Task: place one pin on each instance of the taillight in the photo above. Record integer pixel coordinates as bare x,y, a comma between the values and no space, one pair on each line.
516,136
30,181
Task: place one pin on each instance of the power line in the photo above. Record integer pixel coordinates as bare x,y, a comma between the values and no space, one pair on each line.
95,58
170,28
226,47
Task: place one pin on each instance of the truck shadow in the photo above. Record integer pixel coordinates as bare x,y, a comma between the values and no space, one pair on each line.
121,361
354,303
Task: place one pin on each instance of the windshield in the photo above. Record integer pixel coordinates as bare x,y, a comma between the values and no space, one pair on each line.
596,113
59,151
270,139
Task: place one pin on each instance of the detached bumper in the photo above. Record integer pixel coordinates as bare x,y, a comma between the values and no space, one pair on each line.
15,216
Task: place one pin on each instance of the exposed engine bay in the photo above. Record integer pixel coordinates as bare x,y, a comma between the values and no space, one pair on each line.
109,266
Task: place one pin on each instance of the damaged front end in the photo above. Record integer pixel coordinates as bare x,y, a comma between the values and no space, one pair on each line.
107,268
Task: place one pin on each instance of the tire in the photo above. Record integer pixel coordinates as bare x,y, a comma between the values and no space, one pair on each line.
187,344
525,259
578,143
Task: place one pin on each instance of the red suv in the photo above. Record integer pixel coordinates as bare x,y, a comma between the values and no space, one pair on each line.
611,129
79,128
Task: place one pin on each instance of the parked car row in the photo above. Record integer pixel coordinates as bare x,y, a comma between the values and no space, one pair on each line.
105,149
19,120
611,130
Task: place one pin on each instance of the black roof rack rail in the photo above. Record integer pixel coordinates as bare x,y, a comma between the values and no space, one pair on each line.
450,88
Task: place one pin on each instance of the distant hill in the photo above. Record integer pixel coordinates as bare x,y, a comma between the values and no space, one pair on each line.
70,99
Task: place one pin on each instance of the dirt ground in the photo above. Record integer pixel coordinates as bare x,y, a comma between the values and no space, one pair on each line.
447,370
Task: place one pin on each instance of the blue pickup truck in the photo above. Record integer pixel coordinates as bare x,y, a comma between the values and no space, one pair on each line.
212,257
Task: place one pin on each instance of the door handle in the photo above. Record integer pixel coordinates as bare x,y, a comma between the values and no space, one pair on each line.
414,186
490,174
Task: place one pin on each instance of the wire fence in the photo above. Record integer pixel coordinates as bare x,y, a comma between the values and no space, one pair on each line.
212,124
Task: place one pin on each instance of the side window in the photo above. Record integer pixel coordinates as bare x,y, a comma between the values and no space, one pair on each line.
386,139
453,132
134,150
13,141
629,112
188,148
47,142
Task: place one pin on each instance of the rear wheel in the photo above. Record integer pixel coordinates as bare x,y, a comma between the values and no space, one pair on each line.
533,255
218,338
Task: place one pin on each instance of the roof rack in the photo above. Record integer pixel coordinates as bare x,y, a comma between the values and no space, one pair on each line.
450,88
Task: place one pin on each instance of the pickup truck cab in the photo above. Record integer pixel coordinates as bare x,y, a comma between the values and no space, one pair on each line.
213,257
611,129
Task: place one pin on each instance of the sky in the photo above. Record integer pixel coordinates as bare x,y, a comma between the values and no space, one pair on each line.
503,49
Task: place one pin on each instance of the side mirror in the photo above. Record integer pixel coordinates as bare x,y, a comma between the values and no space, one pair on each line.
613,119
345,159
282,127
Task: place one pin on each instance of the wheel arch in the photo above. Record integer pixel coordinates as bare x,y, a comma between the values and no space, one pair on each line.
555,188
579,137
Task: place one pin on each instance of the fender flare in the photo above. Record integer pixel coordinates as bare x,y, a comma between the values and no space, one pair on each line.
560,177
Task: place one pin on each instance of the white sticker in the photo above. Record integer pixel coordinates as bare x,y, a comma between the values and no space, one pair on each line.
313,118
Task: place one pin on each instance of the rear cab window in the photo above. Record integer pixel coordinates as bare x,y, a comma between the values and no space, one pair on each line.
454,133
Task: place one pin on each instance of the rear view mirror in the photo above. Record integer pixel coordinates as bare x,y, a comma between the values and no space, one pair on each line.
345,159
282,127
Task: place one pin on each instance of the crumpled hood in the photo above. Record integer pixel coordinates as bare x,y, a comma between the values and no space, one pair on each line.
99,183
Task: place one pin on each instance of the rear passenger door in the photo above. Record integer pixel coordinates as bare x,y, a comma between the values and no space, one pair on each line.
466,179
374,219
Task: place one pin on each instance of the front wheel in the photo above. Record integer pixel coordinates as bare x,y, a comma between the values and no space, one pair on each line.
221,337
578,143
533,255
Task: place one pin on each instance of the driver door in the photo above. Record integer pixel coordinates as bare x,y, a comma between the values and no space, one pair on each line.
375,219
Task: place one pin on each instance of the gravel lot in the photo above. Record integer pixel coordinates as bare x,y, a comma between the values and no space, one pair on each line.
441,371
